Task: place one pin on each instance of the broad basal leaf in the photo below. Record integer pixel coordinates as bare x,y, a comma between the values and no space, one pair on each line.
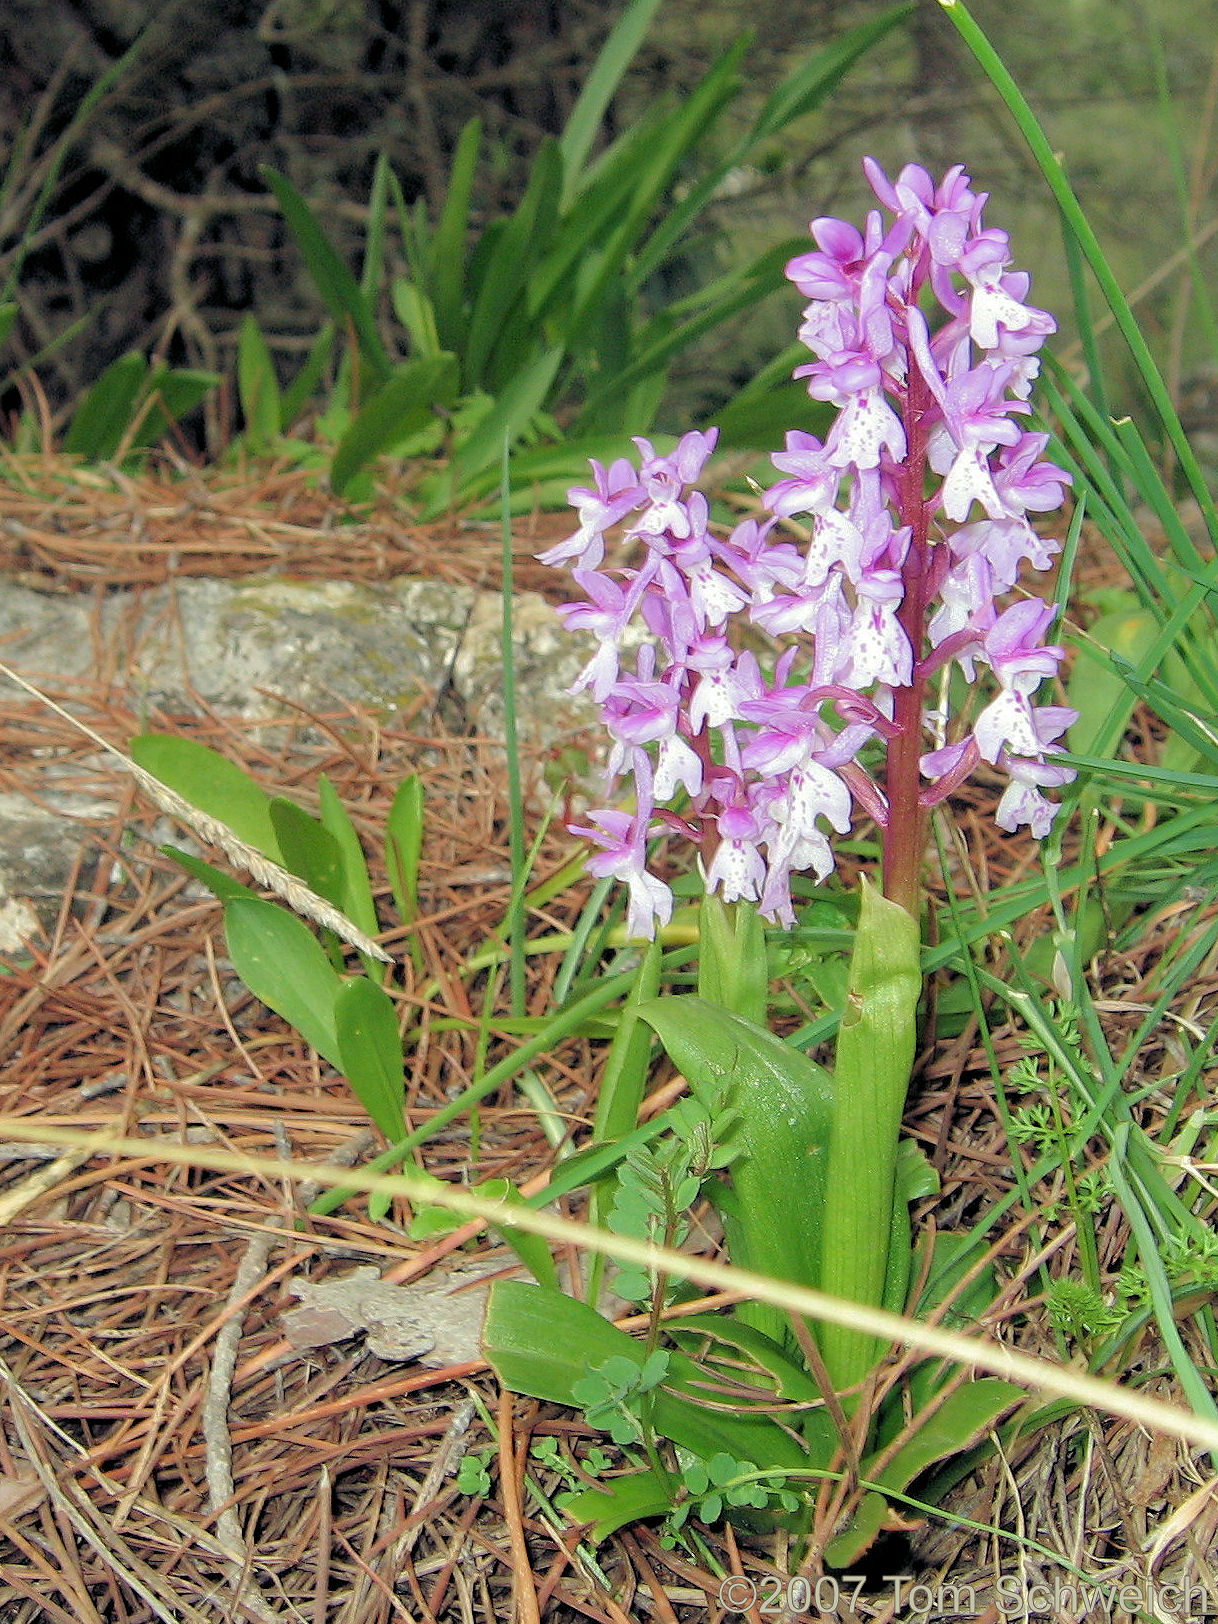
281,961
774,1210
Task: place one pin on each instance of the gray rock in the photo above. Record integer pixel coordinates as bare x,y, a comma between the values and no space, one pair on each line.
258,649
39,842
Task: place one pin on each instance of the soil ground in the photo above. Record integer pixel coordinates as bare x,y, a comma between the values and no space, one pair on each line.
166,1452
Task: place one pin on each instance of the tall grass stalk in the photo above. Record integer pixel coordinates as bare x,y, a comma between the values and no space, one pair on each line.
1080,227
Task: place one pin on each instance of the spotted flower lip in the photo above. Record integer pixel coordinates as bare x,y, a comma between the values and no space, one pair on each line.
879,560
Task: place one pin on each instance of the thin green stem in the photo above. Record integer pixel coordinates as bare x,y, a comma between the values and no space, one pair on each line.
516,912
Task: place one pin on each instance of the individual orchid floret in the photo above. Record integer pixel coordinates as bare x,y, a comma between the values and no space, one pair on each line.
1022,803
665,479
1024,482
616,492
815,481
737,870
1021,662
623,856
609,608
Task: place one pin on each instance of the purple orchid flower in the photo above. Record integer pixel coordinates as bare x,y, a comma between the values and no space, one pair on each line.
871,578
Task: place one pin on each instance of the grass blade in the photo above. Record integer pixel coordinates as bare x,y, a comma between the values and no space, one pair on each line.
103,416
304,385
515,921
374,238
517,405
614,58
257,388
512,255
85,109
406,404
802,92
339,290
446,262
370,1046
676,136
171,393
738,291
1076,221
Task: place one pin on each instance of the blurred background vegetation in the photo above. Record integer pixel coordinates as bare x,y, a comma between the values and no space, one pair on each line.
156,232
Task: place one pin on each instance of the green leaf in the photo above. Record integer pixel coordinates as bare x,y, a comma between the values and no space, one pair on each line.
212,783
623,1084
511,414
172,393
574,1017
875,1051
649,355
758,421
954,1426
103,416
257,387
1095,689
950,1429
733,968
773,1212
743,1343
801,93
370,1048
304,385
513,252
542,475
8,317
448,245
414,311
374,234
309,851
675,137
1104,693
634,1497
1075,221
915,1174
220,884
614,57
862,1532
354,885
624,1078
587,1166
403,845
532,1250
542,1343
50,165
339,290
132,406
406,404
804,90
952,1256
281,962
586,226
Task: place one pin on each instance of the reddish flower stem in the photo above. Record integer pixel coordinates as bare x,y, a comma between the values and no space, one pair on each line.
904,837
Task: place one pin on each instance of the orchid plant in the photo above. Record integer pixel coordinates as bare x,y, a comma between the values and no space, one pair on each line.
883,558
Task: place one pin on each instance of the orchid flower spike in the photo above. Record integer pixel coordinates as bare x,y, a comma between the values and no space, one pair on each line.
913,527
